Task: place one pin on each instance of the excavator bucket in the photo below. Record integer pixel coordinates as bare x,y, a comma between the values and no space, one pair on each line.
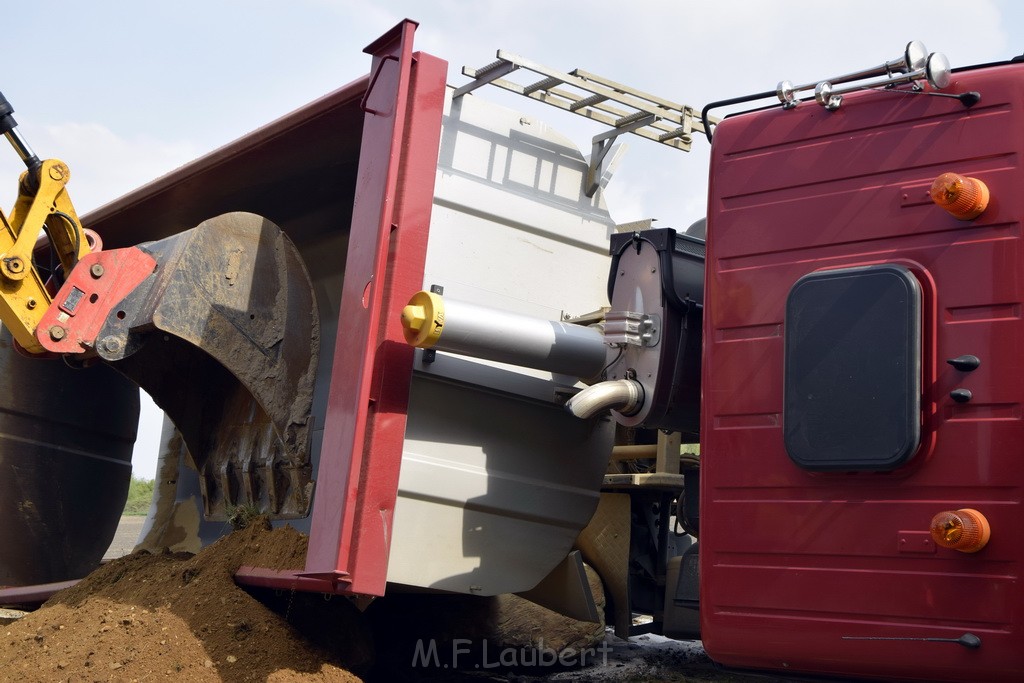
222,332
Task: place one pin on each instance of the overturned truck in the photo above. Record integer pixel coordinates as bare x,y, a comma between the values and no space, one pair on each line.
401,320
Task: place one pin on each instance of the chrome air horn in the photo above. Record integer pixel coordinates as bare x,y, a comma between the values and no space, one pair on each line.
914,64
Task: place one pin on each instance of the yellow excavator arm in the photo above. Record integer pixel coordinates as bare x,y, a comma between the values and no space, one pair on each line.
42,205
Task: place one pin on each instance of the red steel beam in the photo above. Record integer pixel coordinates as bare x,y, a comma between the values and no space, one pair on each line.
357,482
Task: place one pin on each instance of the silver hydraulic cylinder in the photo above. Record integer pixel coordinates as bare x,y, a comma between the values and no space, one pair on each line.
432,322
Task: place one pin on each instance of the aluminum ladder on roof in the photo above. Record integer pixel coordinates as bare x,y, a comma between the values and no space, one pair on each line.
625,109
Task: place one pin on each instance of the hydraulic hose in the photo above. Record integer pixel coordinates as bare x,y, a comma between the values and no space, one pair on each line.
624,395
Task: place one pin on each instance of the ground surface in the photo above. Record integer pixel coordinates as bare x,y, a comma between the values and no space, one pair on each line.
126,537
178,617
172,617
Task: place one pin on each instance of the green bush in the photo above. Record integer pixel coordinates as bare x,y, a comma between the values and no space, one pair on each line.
140,493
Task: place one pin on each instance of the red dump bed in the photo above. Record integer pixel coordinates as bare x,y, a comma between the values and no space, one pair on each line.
827,566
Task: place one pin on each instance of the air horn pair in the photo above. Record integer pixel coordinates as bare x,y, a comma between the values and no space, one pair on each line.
914,64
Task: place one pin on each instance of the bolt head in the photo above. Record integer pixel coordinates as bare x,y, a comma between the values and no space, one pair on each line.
96,270
58,172
413,317
57,332
111,344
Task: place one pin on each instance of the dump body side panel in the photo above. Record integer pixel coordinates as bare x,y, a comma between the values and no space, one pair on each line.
834,571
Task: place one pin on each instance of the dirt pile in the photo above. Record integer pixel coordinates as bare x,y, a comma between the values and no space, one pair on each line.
147,617
181,617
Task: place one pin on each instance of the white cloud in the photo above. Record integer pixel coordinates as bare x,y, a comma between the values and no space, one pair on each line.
104,165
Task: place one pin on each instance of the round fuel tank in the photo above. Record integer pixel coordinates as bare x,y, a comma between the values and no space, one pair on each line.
66,438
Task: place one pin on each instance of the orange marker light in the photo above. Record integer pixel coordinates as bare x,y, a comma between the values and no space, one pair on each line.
965,530
964,198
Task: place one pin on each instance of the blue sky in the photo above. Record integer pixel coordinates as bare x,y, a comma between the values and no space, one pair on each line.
127,91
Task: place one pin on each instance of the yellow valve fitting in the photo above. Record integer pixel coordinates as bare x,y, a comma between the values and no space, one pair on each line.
423,319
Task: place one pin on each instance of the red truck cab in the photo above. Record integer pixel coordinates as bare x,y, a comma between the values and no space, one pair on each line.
834,424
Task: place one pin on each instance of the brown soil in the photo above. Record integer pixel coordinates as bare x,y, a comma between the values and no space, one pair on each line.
146,617
181,617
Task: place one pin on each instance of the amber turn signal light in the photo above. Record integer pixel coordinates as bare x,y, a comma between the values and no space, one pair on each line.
964,198
965,530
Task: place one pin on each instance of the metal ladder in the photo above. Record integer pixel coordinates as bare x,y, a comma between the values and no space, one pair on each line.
624,109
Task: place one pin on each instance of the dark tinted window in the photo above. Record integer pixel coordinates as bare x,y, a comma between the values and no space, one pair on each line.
853,369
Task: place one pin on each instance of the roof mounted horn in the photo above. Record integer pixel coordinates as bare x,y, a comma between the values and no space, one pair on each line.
913,65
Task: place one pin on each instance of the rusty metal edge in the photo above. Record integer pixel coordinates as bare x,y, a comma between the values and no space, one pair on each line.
288,579
33,595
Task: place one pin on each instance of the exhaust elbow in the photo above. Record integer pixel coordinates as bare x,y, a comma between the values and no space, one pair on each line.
623,395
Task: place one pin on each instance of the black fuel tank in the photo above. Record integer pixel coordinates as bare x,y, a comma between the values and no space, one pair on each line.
66,438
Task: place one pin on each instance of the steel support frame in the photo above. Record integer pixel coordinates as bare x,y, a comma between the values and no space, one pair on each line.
364,431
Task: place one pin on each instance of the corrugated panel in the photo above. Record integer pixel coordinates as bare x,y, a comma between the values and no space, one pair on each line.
800,567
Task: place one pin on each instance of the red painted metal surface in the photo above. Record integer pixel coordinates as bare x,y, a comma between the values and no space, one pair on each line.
284,579
364,431
97,284
833,572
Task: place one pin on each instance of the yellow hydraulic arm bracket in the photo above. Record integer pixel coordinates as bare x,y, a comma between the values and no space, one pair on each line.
42,205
